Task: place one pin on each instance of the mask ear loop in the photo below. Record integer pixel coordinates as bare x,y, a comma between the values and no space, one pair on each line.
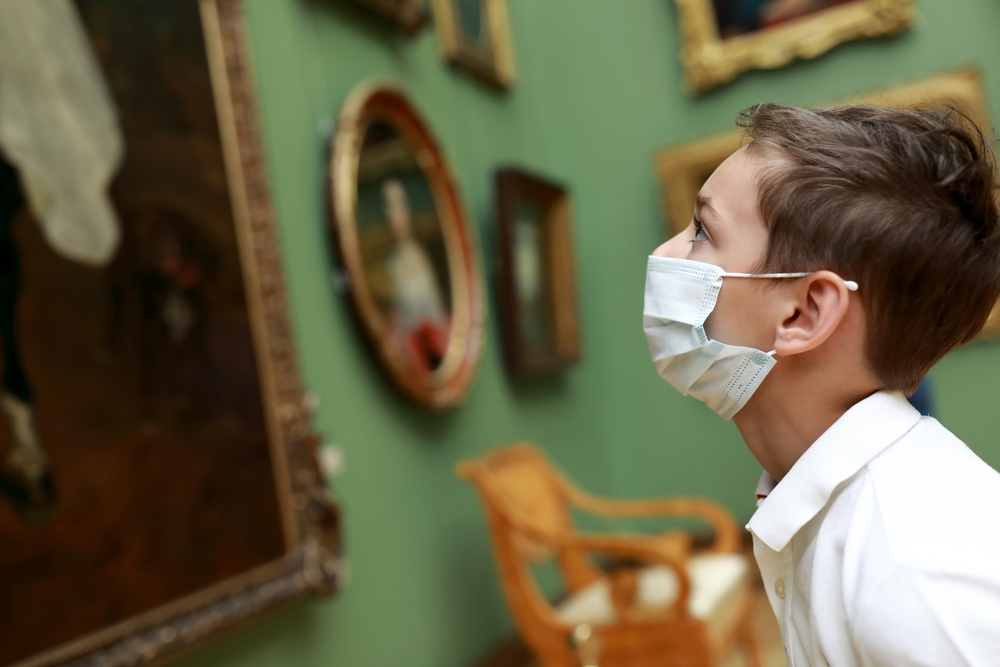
849,284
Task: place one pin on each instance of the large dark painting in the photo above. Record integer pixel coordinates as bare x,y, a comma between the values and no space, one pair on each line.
140,375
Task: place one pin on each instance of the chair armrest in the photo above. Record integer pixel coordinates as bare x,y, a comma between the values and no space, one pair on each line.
649,550
646,548
727,536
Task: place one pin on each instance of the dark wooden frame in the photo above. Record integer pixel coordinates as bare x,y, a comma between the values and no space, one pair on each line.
409,16
312,562
552,199
448,385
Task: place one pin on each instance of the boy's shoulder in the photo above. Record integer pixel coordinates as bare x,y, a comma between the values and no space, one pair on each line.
935,500
919,575
929,452
930,468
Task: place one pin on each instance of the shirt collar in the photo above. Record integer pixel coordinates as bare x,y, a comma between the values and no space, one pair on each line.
856,438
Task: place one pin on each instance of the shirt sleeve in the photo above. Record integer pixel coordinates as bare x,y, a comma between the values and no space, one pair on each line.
919,618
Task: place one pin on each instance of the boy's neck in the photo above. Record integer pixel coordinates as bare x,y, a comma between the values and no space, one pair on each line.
779,426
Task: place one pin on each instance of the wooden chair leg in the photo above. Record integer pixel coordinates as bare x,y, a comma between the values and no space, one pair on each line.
748,638
586,644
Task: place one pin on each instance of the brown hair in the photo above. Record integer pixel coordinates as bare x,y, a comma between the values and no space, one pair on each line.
899,200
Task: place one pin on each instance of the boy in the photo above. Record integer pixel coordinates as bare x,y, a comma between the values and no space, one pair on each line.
828,266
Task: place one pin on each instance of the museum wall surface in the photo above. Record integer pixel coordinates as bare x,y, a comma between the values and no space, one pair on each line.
599,90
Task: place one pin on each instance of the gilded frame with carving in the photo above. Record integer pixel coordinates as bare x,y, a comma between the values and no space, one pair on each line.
312,559
683,169
406,245
709,60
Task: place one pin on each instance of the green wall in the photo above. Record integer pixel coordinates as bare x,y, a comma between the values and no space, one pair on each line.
599,90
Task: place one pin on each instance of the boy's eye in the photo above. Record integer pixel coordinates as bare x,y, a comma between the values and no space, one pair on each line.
699,231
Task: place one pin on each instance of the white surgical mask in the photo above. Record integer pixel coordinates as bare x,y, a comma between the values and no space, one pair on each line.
680,295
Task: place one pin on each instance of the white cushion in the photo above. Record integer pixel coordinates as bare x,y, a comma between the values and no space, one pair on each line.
717,585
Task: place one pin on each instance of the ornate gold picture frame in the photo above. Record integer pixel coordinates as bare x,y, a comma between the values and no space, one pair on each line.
682,170
407,246
475,35
711,58
217,473
537,280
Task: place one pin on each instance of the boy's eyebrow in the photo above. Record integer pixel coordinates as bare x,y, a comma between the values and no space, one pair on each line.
705,202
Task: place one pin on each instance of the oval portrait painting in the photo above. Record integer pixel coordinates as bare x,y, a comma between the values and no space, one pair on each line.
405,243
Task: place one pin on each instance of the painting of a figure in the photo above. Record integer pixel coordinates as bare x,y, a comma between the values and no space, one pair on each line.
403,247
400,230
136,461
476,35
473,24
537,283
533,290
739,17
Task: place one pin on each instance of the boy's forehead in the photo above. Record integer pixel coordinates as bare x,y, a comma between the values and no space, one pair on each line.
731,191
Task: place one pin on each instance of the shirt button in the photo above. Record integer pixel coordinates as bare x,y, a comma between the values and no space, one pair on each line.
779,588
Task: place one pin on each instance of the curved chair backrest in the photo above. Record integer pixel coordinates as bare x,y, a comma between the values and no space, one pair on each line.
520,490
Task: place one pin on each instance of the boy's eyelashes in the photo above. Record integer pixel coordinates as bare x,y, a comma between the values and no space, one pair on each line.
699,230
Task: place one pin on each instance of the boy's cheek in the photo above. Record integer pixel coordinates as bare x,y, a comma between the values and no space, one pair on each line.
739,317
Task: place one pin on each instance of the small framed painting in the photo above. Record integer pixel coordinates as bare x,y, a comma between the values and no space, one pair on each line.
723,38
537,283
407,15
475,35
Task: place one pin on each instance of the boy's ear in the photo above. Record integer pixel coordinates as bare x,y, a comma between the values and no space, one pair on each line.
816,306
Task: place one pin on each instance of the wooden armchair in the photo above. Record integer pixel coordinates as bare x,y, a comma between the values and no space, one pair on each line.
677,609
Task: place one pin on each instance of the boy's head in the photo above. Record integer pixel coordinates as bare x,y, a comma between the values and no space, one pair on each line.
899,200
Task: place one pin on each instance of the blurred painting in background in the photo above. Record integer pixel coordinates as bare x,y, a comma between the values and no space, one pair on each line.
143,371
475,35
472,24
402,246
408,16
720,39
738,17
405,245
532,292
537,280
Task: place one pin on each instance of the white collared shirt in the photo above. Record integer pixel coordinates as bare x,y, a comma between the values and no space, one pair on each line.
881,546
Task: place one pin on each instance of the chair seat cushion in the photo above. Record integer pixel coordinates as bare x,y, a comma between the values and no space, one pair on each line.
718,582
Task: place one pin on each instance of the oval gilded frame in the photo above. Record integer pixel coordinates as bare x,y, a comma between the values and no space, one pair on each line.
447,384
